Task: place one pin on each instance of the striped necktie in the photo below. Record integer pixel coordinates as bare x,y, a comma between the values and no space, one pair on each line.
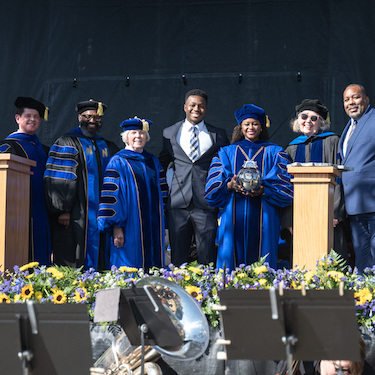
194,145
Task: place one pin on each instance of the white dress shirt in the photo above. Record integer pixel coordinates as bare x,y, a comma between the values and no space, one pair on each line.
184,135
348,135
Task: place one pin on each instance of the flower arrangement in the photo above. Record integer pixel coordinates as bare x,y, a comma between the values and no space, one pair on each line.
68,285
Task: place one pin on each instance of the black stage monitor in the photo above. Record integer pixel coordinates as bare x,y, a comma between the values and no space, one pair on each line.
323,322
58,339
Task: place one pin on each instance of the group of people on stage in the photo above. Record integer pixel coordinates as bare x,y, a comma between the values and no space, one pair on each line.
94,205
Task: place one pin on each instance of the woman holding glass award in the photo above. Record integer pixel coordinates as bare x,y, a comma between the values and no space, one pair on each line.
249,181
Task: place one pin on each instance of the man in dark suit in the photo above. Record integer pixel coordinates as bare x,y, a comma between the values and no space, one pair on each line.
357,148
190,144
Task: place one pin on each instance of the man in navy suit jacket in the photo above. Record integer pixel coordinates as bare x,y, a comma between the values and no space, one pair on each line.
188,213
357,148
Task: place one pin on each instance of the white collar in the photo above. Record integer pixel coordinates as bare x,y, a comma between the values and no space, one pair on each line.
189,125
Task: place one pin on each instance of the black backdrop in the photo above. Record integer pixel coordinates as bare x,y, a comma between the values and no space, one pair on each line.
285,51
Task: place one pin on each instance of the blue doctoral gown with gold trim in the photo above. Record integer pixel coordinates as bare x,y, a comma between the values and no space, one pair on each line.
249,226
132,198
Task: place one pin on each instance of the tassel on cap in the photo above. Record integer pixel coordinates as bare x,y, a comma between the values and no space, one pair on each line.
136,123
146,126
268,122
46,112
328,119
100,110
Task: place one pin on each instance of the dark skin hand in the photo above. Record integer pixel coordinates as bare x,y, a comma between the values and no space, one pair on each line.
233,185
64,219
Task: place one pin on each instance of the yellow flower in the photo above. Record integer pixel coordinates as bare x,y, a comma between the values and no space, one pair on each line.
364,295
309,275
29,265
59,297
128,269
78,297
295,286
262,281
27,291
194,291
29,276
260,269
335,275
241,275
187,277
4,298
38,295
55,272
196,270
17,297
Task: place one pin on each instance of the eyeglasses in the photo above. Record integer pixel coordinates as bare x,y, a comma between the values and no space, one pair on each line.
305,117
90,117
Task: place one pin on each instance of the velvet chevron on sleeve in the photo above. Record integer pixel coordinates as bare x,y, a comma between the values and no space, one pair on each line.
73,181
249,226
133,197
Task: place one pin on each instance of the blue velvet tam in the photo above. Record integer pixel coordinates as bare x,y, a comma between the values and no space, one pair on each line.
136,124
252,111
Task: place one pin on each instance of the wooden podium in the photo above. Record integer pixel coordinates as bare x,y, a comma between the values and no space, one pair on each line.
312,213
14,210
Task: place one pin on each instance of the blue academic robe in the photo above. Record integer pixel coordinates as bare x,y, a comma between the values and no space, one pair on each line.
249,226
29,146
132,198
73,180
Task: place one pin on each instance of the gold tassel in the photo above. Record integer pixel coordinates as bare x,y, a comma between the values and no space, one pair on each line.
328,120
46,112
100,109
146,126
268,123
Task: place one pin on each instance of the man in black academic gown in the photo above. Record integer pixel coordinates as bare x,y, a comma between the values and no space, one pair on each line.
73,180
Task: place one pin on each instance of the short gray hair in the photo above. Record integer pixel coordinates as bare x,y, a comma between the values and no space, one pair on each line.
296,128
124,136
